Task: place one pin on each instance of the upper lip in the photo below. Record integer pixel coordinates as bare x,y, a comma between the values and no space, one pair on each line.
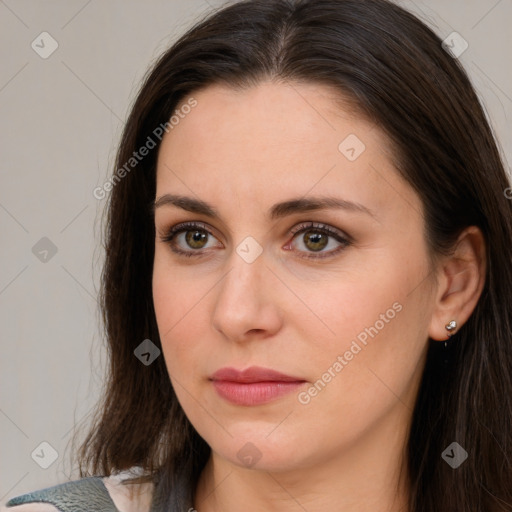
253,374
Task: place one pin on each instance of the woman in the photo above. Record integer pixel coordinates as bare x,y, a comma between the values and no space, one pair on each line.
307,280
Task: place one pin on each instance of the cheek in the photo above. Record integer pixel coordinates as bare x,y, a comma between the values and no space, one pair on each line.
376,319
365,294
180,317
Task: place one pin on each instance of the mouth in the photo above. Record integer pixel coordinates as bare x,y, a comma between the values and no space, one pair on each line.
253,386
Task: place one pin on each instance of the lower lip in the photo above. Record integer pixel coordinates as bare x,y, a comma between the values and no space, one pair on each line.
254,393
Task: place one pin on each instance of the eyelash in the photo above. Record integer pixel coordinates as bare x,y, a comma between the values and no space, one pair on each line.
345,241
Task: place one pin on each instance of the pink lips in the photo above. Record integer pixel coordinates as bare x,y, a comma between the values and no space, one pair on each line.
253,386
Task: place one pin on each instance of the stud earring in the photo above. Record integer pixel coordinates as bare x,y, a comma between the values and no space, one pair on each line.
450,327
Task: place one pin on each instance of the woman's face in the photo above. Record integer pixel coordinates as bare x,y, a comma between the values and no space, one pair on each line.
303,252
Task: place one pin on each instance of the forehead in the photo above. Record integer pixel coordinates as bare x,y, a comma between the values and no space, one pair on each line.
269,113
277,139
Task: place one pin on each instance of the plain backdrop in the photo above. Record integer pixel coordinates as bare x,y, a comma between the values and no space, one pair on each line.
61,118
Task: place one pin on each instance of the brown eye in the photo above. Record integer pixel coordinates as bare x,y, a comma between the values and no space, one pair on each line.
196,239
190,239
314,240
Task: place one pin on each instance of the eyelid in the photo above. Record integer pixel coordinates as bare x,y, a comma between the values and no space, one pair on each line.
335,232
167,233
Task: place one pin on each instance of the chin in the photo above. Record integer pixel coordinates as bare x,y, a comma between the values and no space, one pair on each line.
259,447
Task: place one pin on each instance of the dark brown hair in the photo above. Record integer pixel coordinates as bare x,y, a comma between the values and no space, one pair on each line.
394,69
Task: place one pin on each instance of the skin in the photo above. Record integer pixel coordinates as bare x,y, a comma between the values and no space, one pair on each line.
242,152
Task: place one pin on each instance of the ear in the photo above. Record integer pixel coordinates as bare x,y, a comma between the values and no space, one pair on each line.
461,279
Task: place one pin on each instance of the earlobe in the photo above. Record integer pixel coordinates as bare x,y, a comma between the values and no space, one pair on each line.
461,281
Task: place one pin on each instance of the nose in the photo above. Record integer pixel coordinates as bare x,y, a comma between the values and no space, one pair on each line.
246,305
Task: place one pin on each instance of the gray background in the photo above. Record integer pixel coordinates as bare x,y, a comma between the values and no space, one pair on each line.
61,118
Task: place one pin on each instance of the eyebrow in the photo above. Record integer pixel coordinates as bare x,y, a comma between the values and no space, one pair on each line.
278,210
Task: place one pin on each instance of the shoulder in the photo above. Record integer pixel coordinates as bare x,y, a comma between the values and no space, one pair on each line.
65,497
108,494
129,497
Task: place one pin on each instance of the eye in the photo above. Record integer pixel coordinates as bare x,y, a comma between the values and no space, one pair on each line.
189,238
319,240
313,240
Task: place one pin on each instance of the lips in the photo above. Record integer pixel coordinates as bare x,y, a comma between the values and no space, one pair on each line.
253,386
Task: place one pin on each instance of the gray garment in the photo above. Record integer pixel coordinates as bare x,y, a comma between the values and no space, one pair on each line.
84,495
